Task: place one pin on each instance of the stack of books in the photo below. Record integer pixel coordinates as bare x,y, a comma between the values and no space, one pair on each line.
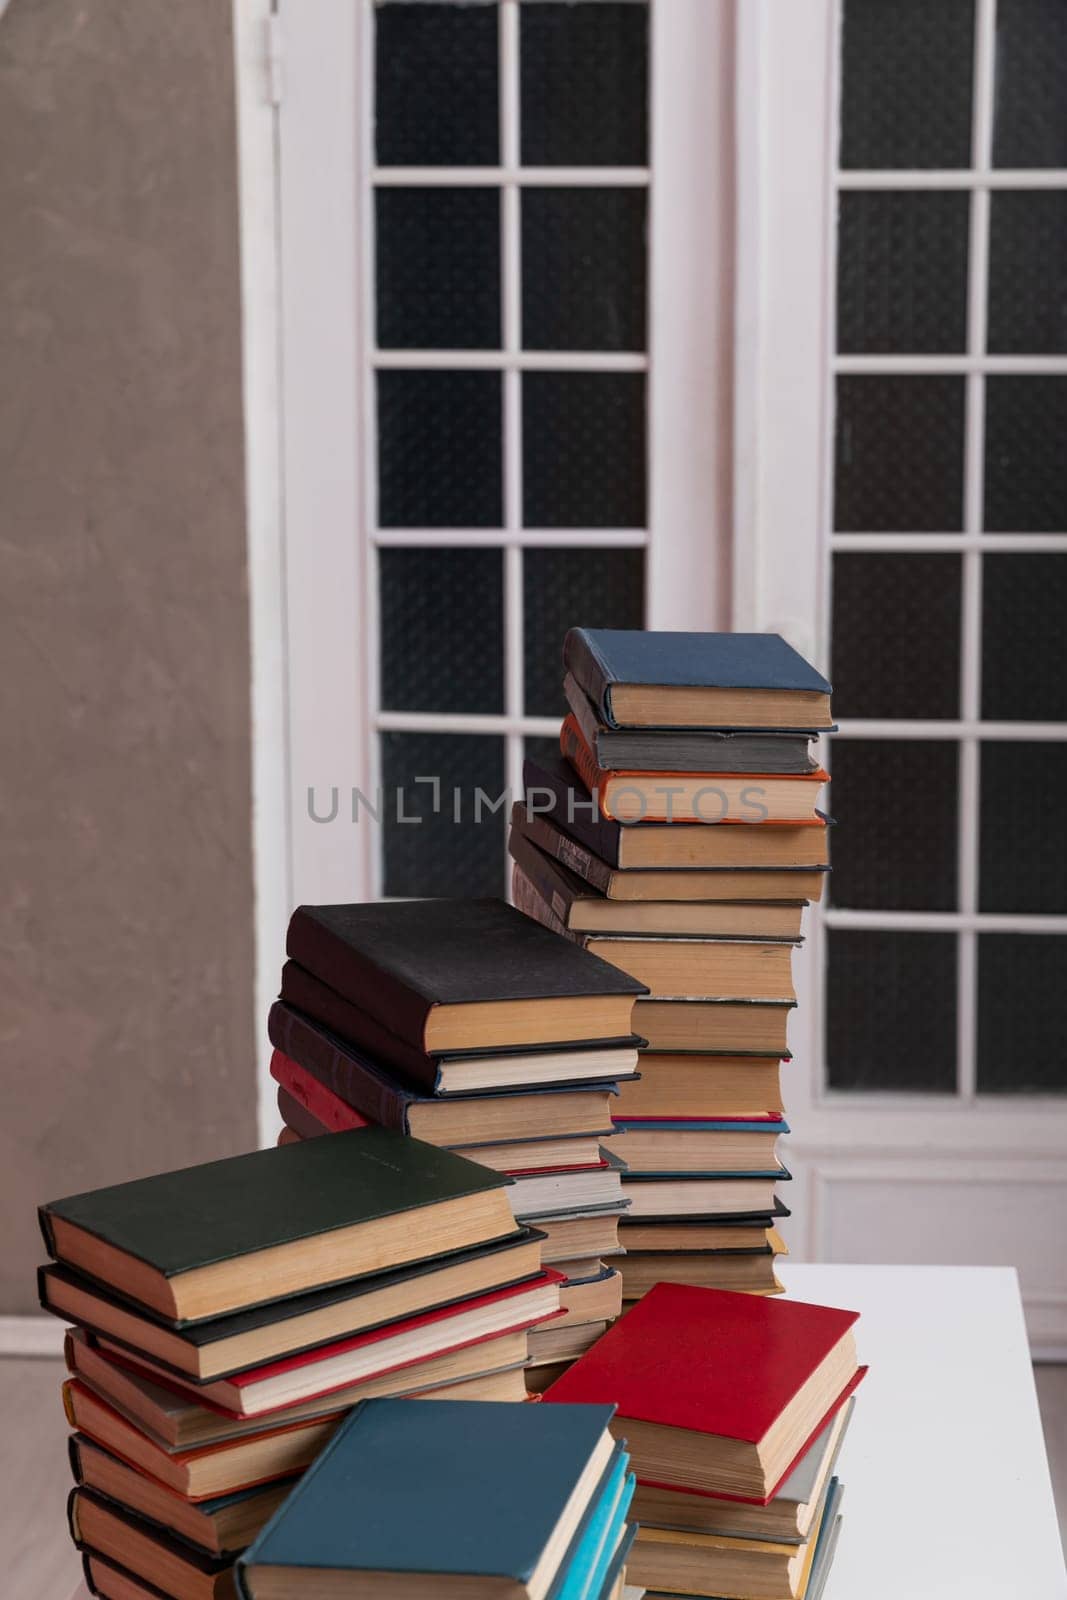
734,1408
525,1502
679,838
468,1025
227,1316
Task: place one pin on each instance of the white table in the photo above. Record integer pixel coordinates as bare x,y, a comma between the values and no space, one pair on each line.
947,1490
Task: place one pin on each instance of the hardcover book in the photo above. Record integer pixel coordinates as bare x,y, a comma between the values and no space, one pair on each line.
753,681
206,1240
394,1499
448,973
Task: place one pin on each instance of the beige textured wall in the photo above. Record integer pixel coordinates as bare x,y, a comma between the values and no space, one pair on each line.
126,1031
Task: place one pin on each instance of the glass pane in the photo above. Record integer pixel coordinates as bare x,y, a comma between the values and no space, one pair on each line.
564,589
436,85
1021,980
583,449
899,455
438,855
891,1011
902,272
906,70
1025,458
1024,640
896,635
894,848
1030,118
1028,273
1022,865
438,261
439,443
583,269
584,84
442,630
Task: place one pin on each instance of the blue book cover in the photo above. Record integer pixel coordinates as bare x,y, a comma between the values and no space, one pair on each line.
617,1562
586,1577
439,1487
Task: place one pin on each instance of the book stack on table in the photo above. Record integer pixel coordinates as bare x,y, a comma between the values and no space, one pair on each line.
679,839
527,1502
734,1409
226,1318
467,1024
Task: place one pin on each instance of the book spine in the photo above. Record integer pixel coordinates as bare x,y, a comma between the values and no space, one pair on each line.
313,1097
575,750
544,874
72,1516
582,662
324,1005
74,1454
298,1118
67,1393
568,852
44,1222
527,900
571,811
355,1082
356,977
87,1575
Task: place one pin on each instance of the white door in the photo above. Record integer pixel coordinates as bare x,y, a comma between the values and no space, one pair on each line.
506,265
902,407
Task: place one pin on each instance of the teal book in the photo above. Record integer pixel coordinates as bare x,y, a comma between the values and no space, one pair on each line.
494,1495
588,1565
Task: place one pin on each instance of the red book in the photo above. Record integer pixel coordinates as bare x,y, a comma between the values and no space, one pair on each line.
325,1106
718,1393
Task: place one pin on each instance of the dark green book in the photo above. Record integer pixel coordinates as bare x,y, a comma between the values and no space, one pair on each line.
212,1239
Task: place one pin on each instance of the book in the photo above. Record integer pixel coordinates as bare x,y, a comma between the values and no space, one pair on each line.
582,908
653,1194
327,1369
693,1085
170,1565
569,1122
743,1271
639,679
448,973
479,1529
553,1344
783,854
684,1235
579,1232
212,1349
566,1190
788,1517
716,1391
397,1086
596,1299
223,1525
726,798
112,1582
734,1027
685,750
146,1418
587,1568
694,1146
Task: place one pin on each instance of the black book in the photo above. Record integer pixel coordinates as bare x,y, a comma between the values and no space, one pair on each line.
240,1232
462,973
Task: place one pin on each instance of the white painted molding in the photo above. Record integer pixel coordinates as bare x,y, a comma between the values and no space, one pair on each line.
31,1336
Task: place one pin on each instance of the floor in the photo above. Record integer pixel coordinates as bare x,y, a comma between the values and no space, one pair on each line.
35,1481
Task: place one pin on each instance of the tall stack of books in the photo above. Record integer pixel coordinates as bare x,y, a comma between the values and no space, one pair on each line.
679,838
734,1408
466,1024
227,1316
519,1501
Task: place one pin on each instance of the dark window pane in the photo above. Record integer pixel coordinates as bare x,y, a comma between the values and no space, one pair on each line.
564,589
1023,865
896,635
438,855
436,96
442,630
891,1011
584,85
1024,640
1025,458
583,449
438,278
439,442
902,272
894,846
583,269
1028,273
906,70
899,455
1021,980
1030,118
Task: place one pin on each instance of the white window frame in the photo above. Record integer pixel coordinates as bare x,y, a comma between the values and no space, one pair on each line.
785,363
328,365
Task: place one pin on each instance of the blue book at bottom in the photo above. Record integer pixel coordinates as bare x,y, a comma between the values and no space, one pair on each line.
502,1497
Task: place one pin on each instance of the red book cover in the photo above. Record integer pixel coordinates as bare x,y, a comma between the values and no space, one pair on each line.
321,1102
708,1360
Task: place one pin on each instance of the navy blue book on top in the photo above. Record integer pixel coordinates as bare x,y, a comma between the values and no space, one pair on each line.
495,1494
750,681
